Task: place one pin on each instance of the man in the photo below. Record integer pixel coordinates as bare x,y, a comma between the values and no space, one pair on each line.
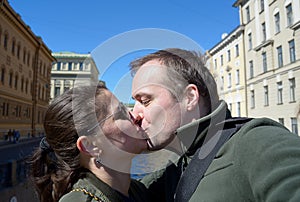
177,102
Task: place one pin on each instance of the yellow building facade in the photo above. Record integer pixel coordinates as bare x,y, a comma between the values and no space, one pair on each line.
25,66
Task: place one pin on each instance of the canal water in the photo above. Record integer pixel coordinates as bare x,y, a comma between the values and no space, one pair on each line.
146,163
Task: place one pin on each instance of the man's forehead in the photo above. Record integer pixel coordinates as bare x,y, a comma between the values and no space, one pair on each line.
150,75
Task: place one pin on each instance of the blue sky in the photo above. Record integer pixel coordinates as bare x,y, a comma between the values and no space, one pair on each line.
82,26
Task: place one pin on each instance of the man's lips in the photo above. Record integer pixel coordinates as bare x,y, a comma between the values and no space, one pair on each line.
138,121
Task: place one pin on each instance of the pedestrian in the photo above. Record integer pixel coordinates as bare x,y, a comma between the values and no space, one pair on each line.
14,134
90,140
10,135
223,158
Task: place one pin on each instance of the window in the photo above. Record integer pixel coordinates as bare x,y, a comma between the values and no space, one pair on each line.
24,55
28,58
228,56
229,80
67,85
279,56
294,125
250,41
238,109
222,61
264,33
247,13
39,91
277,22
237,51
58,66
262,5
70,66
5,44
18,51
10,79
2,75
56,88
289,14
215,64
80,66
264,59
292,90
26,87
33,60
252,99
222,82
251,69
22,84
5,109
281,121
16,81
279,93
266,95
13,47
292,51
237,78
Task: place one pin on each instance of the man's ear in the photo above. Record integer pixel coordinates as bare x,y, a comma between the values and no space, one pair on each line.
192,97
86,146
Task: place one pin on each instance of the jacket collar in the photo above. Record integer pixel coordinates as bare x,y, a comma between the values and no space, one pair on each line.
193,134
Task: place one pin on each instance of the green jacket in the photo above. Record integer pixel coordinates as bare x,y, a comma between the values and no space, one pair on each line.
261,162
91,189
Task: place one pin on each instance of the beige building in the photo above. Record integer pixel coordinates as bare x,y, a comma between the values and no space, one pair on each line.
272,50
226,63
71,69
25,65
263,79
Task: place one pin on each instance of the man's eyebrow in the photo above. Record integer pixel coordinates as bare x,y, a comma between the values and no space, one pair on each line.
138,95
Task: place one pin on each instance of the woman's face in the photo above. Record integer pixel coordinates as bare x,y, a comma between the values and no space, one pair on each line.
120,128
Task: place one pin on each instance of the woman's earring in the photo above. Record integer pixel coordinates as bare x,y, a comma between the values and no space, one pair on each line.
98,159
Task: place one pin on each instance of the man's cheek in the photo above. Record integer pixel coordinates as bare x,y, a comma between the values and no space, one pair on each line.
157,118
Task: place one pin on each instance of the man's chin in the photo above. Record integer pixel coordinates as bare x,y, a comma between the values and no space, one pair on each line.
155,145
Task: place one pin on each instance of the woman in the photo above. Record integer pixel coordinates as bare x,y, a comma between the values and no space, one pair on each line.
86,154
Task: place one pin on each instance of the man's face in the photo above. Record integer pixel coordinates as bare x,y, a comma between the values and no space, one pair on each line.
159,110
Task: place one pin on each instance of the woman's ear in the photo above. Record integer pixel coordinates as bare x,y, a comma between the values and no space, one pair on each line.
85,145
192,97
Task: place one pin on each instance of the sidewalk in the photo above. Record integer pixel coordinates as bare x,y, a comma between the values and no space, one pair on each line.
4,142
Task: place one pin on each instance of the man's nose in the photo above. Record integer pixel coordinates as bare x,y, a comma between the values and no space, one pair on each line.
138,113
